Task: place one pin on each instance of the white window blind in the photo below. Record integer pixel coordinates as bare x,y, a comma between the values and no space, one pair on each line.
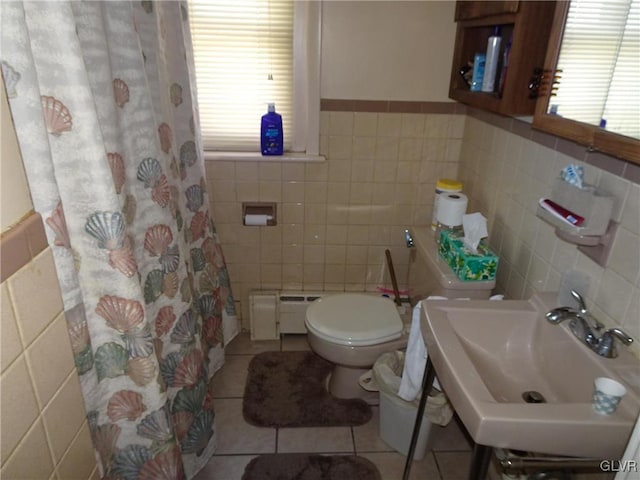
622,109
243,51
600,63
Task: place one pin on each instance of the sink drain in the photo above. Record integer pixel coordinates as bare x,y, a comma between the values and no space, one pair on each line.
531,396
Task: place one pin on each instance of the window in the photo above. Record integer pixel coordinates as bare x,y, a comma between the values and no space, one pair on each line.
599,65
251,52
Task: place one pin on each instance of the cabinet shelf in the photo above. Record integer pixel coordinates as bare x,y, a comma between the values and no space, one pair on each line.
527,26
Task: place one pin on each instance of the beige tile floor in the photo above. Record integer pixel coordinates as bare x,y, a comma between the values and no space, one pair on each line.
239,442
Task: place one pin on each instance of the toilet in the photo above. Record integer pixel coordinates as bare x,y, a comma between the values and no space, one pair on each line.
352,330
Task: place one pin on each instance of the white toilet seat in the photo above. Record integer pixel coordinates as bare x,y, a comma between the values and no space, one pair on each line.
354,319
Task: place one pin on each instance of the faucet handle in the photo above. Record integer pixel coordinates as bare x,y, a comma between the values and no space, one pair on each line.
606,344
620,334
580,300
584,312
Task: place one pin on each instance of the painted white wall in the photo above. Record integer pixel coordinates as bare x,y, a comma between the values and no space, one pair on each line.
15,198
387,50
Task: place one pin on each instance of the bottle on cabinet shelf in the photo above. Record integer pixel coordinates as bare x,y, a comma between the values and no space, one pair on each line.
505,67
491,63
478,72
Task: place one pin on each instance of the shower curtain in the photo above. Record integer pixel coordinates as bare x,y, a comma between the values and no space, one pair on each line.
102,97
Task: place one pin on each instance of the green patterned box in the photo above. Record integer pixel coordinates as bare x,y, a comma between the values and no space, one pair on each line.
467,265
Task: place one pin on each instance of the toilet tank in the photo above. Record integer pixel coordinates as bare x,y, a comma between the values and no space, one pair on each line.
430,275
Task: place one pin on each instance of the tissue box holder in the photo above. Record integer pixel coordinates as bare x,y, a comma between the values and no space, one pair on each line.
466,265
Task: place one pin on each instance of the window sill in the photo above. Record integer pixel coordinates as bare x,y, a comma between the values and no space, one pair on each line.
288,157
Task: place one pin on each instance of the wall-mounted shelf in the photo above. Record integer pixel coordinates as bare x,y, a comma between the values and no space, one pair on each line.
594,237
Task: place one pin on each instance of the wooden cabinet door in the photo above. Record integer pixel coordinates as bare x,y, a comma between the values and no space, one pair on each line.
472,10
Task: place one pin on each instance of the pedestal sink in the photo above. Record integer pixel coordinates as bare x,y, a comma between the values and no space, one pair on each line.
487,354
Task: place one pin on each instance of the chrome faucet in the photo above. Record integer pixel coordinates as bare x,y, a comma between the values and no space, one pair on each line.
580,327
408,239
583,310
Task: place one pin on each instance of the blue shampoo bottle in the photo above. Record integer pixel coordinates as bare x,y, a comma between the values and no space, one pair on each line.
271,136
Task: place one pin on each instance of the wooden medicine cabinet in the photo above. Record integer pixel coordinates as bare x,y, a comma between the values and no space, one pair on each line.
473,10
526,25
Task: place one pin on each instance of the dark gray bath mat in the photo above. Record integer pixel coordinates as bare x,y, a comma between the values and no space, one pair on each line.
286,389
297,466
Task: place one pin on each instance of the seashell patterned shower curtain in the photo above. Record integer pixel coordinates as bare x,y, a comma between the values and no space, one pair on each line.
102,97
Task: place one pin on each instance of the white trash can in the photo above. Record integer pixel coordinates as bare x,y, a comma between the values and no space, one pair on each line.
397,416
396,426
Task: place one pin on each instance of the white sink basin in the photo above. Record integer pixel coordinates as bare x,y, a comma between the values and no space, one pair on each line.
488,353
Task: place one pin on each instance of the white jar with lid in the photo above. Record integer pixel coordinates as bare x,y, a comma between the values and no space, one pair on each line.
443,185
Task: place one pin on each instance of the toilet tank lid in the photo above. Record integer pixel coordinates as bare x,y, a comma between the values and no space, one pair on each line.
355,319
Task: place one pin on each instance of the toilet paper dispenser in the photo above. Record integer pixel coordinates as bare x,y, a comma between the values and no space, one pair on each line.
259,214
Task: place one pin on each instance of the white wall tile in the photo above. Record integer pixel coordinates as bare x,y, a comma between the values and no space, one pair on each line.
614,294
341,123
389,124
631,210
364,148
19,406
64,416
412,125
79,461
36,296
11,345
619,188
270,171
631,322
31,459
50,359
410,149
625,256
316,172
387,148
340,147
365,124
564,256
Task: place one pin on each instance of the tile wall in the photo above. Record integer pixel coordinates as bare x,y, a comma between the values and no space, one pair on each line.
43,430
336,218
506,167
382,161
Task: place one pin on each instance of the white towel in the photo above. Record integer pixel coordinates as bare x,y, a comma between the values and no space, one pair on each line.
415,358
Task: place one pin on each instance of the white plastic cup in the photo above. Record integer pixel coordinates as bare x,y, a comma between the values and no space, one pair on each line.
607,394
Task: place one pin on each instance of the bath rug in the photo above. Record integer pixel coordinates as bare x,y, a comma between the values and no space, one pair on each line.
296,466
287,389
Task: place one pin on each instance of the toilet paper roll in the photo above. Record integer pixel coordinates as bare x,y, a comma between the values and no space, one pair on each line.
451,208
256,220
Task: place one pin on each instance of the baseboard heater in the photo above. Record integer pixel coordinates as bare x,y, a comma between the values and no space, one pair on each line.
276,312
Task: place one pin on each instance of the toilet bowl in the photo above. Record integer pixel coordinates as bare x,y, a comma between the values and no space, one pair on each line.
352,330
